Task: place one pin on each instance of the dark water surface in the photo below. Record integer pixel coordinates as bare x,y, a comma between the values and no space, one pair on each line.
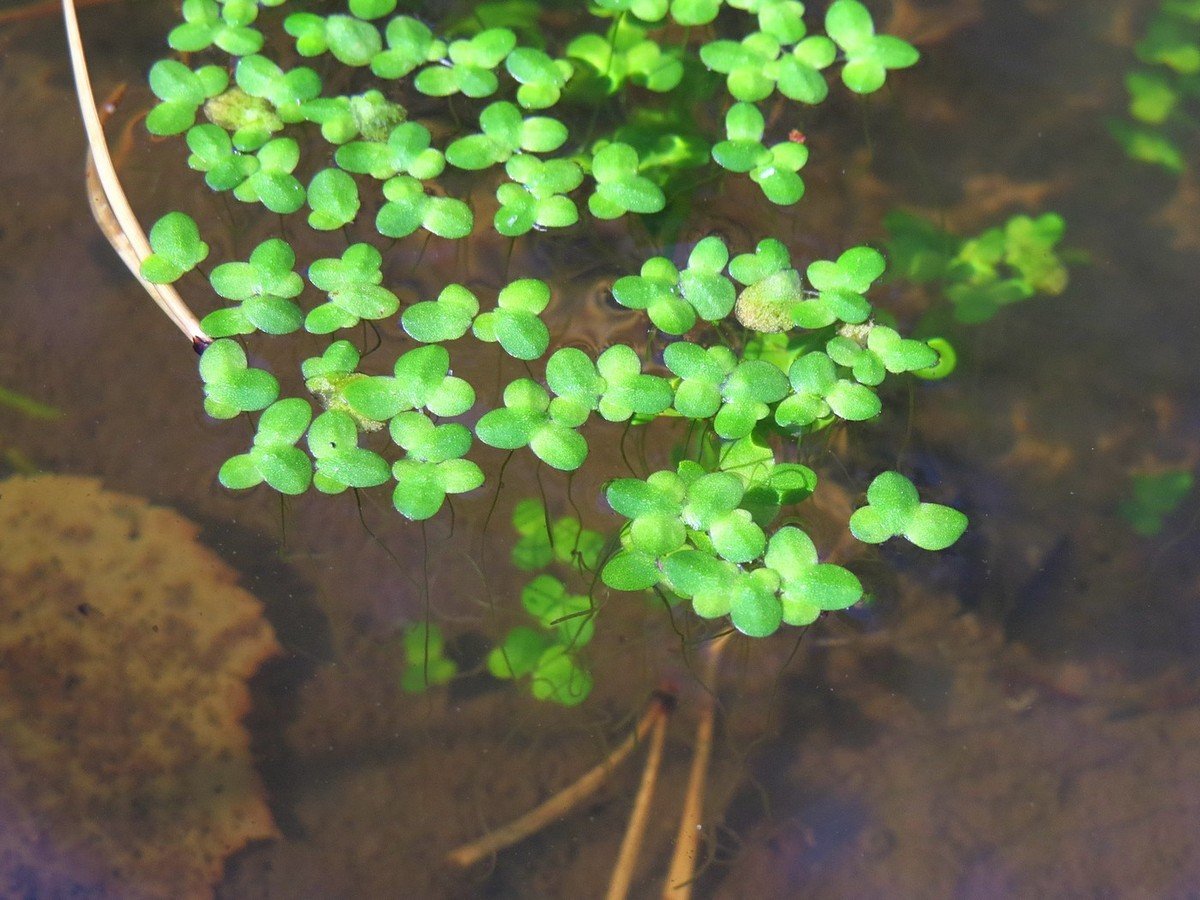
1016,717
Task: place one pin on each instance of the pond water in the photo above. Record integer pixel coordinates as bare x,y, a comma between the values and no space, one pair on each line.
1017,716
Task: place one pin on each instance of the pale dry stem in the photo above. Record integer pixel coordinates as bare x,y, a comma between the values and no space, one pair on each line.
562,802
682,871
631,843
107,199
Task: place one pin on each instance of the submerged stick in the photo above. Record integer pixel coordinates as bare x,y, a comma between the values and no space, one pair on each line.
687,841
631,843
115,205
164,295
562,802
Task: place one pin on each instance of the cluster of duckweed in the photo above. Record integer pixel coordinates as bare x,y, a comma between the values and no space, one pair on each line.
752,351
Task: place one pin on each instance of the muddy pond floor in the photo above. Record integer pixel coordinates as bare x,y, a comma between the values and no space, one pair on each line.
1017,717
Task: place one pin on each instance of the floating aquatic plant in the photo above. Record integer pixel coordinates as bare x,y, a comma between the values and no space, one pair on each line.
748,350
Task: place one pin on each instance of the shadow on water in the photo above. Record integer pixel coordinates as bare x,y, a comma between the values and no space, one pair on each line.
303,631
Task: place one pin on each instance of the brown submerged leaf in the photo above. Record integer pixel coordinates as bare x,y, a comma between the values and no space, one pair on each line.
125,647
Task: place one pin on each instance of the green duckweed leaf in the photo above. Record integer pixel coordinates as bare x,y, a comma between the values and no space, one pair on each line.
781,19
421,379
352,284
515,323
406,152
274,458
772,168
631,570
1030,248
769,257
1170,41
737,538
503,133
527,419
746,394
175,240
628,55
339,358
286,92
748,65
701,372
272,183
351,40
694,12
447,318
818,392
619,187
627,390
409,208
333,198
656,290
568,617
207,23
694,573
900,354
809,586
868,55
182,92
542,541
1152,96
754,606
558,678
230,385
840,286
309,31
469,66
646,10
518,655
213,153
895,509
535,198
714,384
541,78
702,283
263,288
340,462
372,9
573,378
410,44
433,466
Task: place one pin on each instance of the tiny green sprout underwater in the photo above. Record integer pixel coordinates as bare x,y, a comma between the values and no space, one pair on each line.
750,351
1164,90
1153,496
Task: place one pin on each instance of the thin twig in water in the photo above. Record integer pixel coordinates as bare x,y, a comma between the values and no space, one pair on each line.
631,843
687,842
562,802
109,203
